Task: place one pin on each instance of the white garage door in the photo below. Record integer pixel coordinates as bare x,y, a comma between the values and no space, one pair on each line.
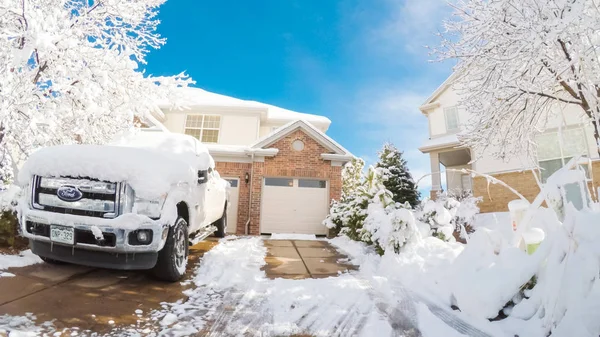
232,208
294,205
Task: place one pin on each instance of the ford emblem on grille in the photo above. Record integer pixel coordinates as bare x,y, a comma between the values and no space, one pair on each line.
69,193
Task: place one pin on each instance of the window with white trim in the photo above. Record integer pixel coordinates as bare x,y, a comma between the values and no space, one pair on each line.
204,127
555,151
451,115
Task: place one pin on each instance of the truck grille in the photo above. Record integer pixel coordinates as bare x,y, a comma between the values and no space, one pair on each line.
93,198
81,236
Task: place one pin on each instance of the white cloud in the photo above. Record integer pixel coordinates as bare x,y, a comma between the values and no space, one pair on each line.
411,24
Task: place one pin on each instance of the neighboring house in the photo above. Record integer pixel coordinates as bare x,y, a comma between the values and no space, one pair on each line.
283,169
446,120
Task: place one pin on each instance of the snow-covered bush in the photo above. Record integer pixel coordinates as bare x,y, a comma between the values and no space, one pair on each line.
554,289
9,226
448,214
367,212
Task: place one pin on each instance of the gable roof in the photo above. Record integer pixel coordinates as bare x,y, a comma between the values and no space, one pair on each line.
310,130
196,97
428,104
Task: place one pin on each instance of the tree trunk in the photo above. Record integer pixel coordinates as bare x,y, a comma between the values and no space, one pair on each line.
596,135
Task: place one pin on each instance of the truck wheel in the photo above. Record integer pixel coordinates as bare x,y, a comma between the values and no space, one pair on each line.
221,225
172,259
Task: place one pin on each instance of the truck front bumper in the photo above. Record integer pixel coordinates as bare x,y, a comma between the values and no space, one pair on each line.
117,250
94,258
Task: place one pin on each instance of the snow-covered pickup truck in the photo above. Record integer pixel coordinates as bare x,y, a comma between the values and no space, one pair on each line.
131,205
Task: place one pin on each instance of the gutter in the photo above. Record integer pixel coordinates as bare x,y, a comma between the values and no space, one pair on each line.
250,196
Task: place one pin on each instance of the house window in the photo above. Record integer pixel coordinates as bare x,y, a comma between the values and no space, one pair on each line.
310,183
451,114
204,127
555,151
281,182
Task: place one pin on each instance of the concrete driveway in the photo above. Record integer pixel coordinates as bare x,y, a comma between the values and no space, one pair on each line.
99,300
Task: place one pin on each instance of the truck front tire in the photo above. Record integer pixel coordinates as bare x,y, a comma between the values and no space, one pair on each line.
172,259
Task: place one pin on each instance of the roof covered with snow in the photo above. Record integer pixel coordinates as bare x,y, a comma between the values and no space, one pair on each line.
195,97
439,143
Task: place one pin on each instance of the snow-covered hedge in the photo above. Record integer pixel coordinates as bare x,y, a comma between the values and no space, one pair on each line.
448,214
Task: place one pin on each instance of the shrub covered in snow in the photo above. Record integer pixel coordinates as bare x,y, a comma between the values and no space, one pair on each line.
448,214
367,212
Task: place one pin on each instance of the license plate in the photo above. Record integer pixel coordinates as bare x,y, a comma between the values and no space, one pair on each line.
62,234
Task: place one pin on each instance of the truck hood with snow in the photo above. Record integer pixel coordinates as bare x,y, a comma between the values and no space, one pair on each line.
150,173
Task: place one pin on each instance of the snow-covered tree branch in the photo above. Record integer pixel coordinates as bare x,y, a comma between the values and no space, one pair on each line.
69,71
520,59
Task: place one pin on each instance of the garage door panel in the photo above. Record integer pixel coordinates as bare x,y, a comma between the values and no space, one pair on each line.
294,206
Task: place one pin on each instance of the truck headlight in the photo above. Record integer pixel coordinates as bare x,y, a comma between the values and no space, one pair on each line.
150,208
126,198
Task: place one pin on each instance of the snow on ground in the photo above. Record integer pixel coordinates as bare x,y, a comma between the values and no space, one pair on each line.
229,295
240,300
23,259
432,326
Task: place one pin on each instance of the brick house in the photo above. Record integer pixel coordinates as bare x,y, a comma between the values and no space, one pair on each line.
282,167
446,118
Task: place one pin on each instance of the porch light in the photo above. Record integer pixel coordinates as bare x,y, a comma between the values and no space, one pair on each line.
247,178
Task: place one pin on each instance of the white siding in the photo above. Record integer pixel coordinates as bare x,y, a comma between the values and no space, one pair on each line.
437,119
235,129
567,115
238,130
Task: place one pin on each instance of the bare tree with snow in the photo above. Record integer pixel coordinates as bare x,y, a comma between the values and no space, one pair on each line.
518,60
69,71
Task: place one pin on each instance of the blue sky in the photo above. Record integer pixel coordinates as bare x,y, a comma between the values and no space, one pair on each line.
362,63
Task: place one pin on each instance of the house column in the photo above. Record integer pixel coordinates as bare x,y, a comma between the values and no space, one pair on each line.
436,175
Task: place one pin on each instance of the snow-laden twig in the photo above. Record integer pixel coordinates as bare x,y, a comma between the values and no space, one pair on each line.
489,178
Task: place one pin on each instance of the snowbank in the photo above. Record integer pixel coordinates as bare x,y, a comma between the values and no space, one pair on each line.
23,259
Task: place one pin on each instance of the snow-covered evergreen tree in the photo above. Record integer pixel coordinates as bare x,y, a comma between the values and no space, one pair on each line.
367,211
352,176
396,176
388,224
70,71
347,215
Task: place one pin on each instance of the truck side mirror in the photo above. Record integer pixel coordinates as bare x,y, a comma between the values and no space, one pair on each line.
202,177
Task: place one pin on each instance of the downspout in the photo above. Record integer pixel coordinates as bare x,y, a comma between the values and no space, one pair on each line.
250,197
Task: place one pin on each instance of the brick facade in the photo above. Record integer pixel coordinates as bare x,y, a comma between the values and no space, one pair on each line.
524,182
287,163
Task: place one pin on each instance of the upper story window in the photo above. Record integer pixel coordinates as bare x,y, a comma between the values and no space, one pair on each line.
451,114
555,151
204,127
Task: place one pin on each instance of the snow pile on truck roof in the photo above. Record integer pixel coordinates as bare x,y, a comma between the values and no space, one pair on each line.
150,163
